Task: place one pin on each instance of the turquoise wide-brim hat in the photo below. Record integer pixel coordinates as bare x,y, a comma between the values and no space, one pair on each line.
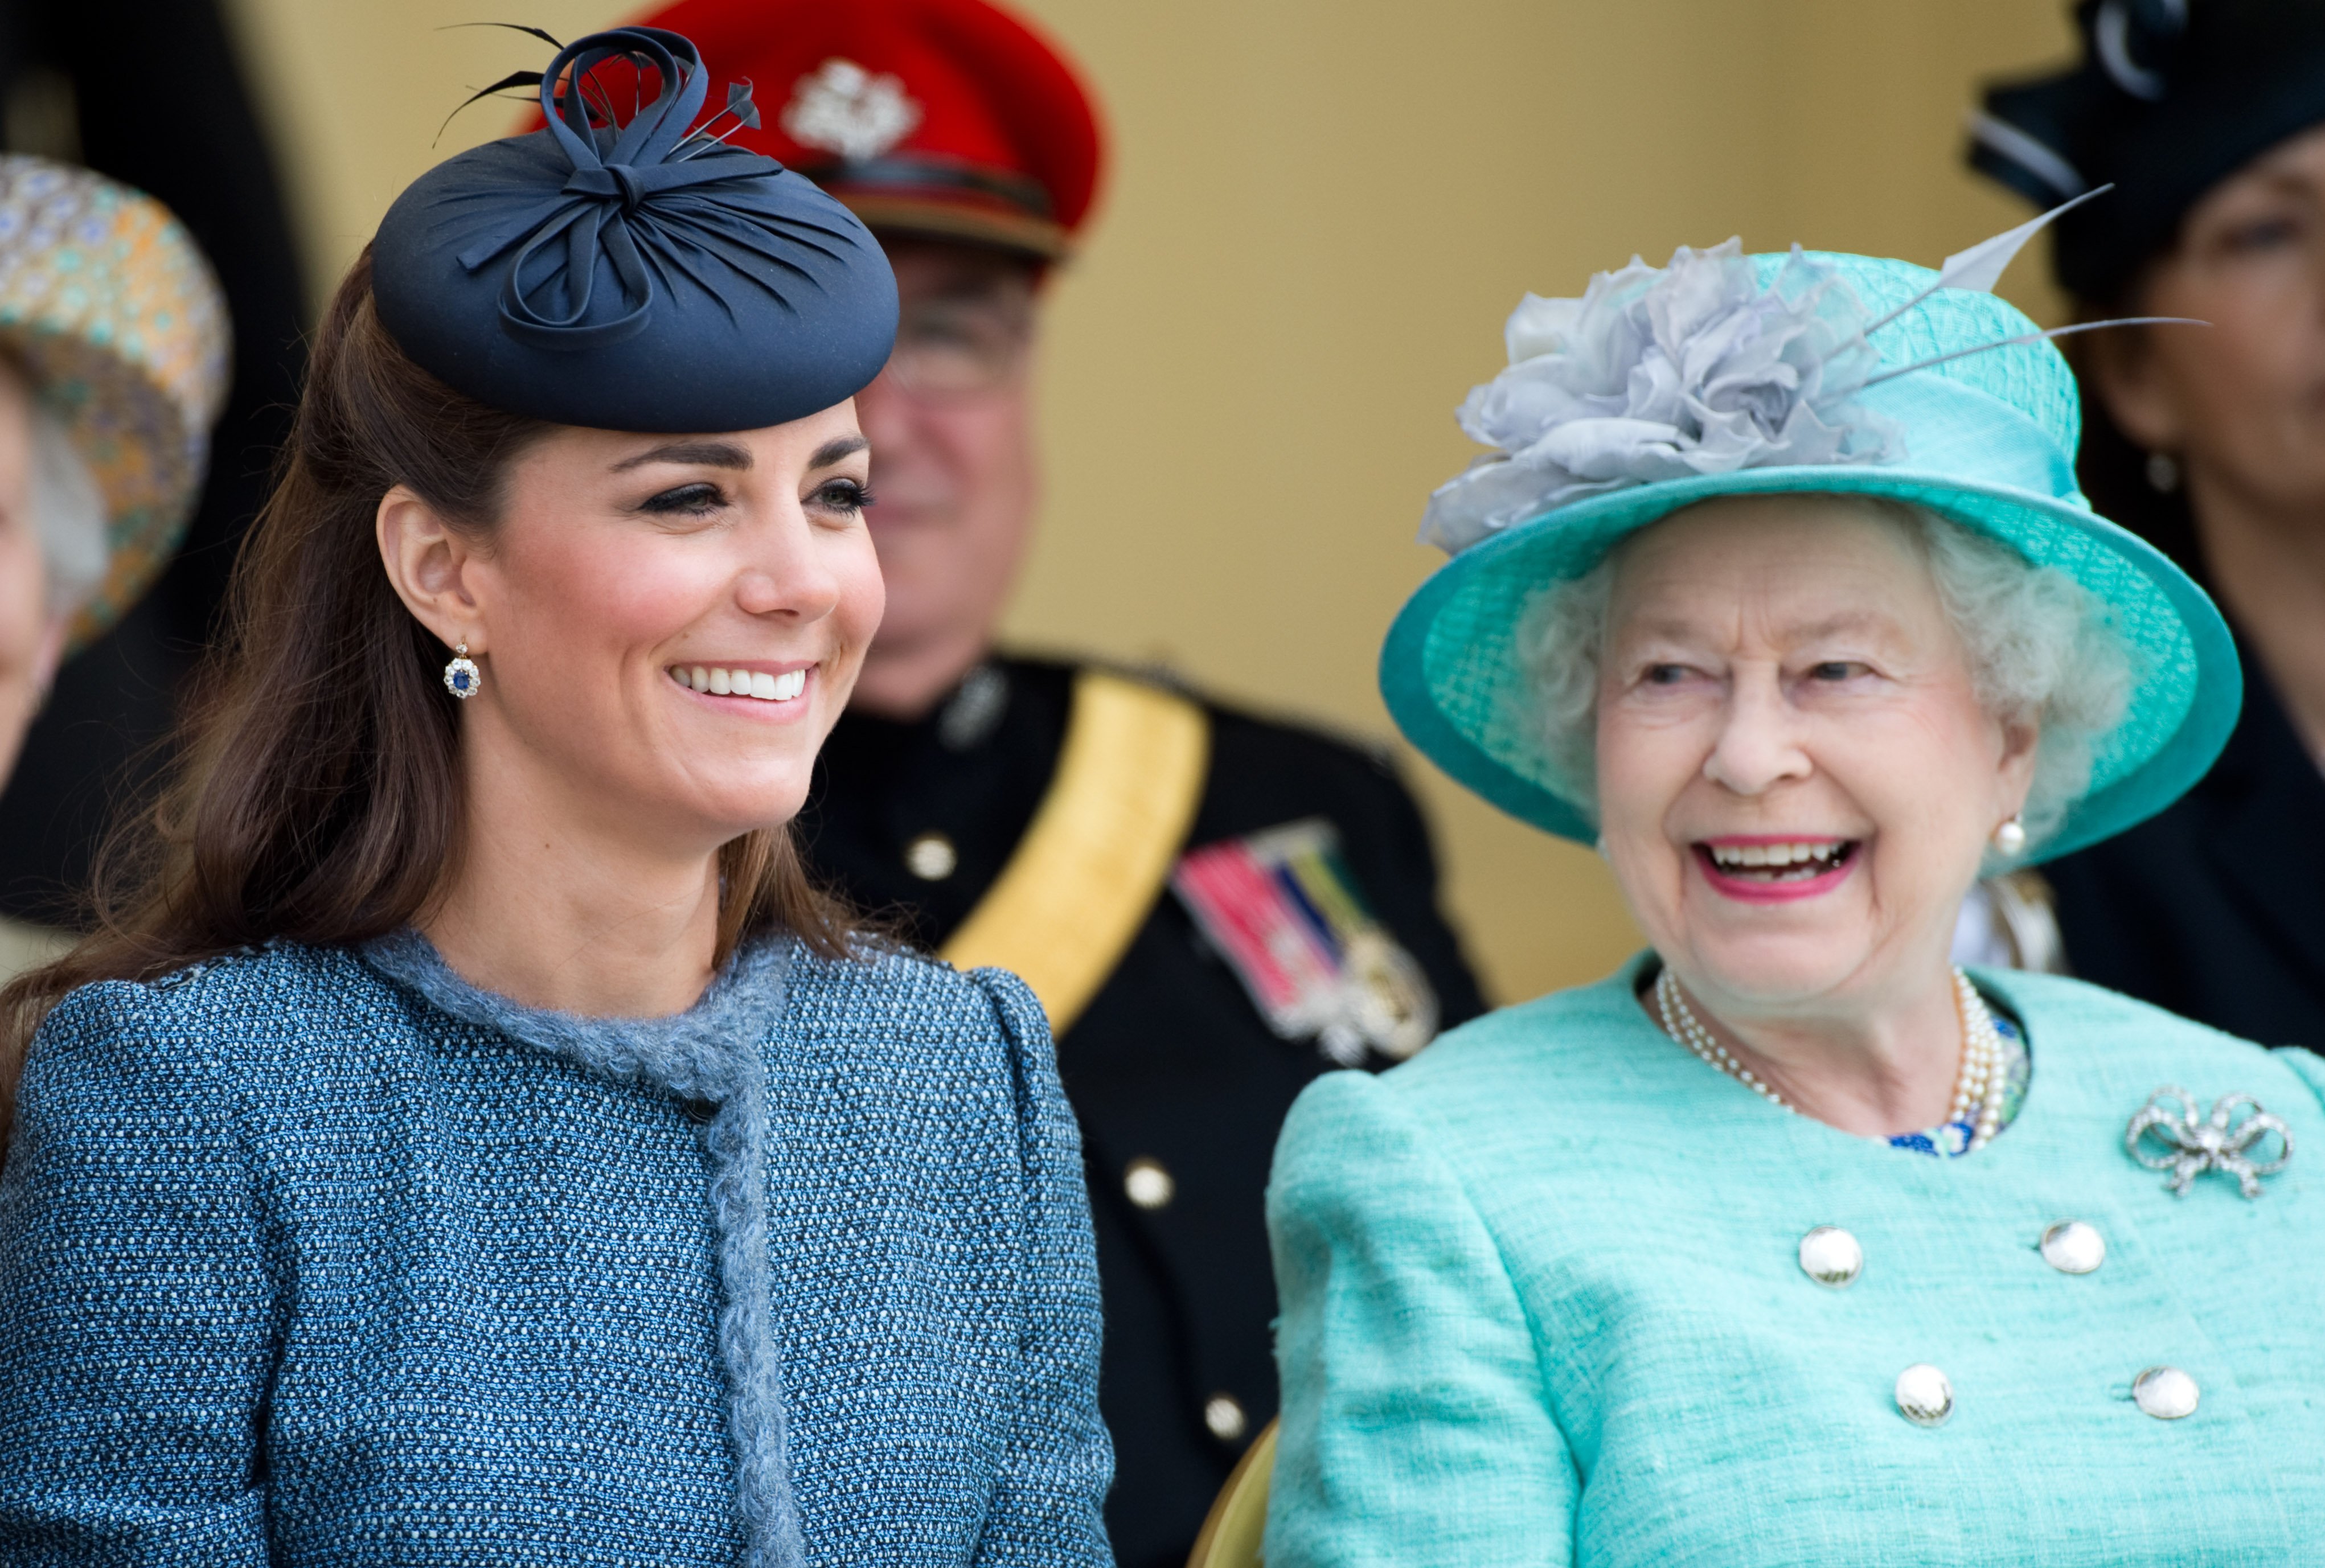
1985,437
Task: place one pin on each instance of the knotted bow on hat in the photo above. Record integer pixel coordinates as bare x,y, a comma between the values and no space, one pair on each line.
623,195
637,276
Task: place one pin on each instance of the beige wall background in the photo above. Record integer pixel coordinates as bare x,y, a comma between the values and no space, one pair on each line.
1319,215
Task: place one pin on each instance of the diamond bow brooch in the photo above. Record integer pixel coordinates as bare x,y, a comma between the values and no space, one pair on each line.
2191,1143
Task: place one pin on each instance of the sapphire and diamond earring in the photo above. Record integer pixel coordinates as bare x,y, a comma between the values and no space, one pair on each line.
461,677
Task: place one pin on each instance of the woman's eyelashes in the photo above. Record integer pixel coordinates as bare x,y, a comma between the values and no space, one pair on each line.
699,499
845,497
837,497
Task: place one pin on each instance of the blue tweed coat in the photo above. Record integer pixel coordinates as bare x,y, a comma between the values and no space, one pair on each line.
316,1258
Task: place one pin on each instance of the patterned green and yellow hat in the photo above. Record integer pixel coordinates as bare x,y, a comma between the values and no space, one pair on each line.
122,329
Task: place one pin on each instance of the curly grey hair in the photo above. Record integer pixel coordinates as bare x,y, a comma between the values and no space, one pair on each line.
2041,647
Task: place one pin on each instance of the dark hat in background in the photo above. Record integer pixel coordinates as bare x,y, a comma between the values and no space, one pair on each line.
2170,98
633,274
951,119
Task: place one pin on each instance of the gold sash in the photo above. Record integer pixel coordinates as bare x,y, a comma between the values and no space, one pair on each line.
1100,847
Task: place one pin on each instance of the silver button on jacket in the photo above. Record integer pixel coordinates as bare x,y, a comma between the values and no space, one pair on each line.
1925,1397
2073,1247
1832,1257
2166,1393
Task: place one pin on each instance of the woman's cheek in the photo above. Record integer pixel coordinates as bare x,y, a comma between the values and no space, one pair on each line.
1636,791
863,591
648,594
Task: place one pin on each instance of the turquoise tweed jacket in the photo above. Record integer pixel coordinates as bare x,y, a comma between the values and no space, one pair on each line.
314,1259
1541,1304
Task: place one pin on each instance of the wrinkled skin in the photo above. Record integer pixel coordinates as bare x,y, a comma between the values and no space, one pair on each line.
1782,668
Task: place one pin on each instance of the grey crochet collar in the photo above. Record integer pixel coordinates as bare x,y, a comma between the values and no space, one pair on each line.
713,1052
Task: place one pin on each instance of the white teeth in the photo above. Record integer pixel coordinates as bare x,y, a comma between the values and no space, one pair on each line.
754,683
1777,857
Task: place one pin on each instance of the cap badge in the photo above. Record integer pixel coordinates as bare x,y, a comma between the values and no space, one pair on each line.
841,107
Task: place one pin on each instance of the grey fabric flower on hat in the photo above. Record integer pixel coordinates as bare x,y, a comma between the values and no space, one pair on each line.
1660,373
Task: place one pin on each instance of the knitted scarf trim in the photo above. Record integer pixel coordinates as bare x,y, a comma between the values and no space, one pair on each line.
710,1053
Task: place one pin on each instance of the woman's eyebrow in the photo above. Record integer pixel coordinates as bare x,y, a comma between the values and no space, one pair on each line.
833,450
705,454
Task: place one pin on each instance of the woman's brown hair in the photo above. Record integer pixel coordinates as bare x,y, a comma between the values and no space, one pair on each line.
317,795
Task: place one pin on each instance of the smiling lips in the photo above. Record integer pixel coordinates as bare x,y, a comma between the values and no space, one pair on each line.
751,683
1763,870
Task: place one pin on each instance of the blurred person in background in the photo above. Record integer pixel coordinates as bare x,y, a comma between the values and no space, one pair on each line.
113,357
1214,907
148,93
2208,119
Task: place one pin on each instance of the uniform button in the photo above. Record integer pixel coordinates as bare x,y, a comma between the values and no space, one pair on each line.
1924,1396
932,857
1832,1257
1223,1414
2166,1393
1148,1184
2073,1247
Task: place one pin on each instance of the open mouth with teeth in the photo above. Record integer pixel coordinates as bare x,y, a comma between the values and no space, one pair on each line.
751,683
1773,865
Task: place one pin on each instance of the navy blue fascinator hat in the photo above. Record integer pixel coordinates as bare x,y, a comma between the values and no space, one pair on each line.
2170,98
638,275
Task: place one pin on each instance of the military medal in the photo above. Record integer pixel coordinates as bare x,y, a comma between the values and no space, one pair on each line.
1283,909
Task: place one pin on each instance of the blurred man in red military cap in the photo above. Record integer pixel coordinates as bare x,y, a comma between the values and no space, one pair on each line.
1214,907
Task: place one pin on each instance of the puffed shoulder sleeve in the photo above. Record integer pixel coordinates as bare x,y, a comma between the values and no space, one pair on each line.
134,1306
1048,1510
1414,1427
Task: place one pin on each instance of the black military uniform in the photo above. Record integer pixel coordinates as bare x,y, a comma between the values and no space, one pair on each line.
1179,1081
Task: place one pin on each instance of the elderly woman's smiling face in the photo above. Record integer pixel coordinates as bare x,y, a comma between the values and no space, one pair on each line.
1796,779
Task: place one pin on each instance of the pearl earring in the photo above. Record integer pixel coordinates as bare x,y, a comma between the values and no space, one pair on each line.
2011,836
2162,472
461,677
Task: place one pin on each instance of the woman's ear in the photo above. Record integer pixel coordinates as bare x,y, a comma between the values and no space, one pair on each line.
2021,740
2132,383
430,566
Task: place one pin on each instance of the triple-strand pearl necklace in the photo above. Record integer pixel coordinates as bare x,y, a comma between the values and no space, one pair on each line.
1978,1088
